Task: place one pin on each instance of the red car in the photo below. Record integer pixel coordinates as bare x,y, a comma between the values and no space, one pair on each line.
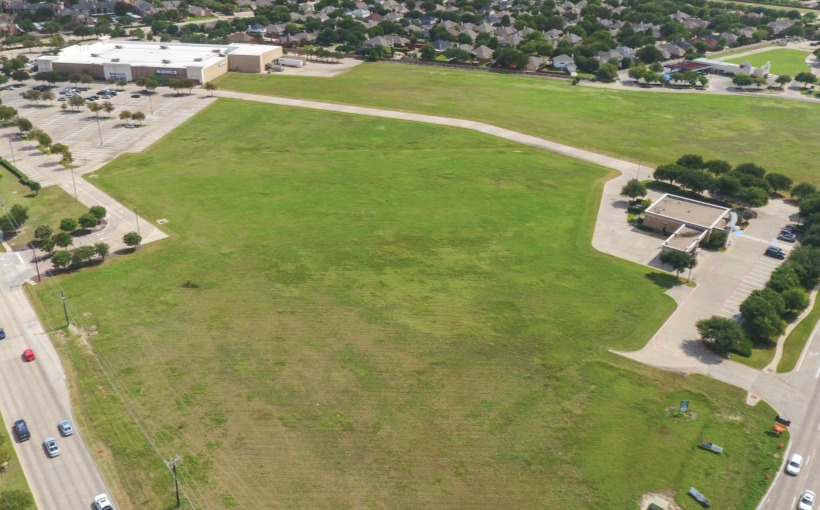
28,355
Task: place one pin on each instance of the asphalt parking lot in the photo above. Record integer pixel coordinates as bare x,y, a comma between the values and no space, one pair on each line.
93,144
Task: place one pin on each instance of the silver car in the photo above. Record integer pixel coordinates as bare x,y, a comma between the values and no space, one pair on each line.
51,447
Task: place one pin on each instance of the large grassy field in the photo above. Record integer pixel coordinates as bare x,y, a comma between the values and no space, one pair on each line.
651,127
783,61
360,313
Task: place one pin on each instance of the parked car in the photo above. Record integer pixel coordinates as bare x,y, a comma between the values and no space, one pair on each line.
775,252
101,502
794,229
135,96
28,355
794,465
21,431
806,501
65,428
2,334
50,445
787,236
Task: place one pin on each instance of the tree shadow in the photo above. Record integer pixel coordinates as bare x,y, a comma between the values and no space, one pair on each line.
663,280
697,350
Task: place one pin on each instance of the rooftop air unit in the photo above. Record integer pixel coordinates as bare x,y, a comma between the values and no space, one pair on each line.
198,59
217,50
95,54
166,61
163,47
118,46
115,60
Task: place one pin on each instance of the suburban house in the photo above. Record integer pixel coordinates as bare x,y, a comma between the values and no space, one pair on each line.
562,61
687,222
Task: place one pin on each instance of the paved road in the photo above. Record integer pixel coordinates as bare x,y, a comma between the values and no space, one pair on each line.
38,392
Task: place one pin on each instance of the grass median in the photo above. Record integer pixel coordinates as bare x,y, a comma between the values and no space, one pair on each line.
355,312
655,128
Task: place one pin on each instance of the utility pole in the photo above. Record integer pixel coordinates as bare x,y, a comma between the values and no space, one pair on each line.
172,464
36,265
12,151
137,217
65,309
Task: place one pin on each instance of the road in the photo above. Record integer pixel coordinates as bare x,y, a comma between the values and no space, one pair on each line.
38,393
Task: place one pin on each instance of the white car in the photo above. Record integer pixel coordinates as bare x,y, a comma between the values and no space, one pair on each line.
806,501
51,447
101,502
794,465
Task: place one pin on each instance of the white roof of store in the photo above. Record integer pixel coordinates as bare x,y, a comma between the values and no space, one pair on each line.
149,54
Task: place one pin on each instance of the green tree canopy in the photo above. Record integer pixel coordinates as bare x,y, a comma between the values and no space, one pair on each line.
724,334
678,260
633,189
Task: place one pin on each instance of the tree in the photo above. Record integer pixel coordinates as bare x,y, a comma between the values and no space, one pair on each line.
783,278
86,79
18,214
48,96
61,259
76,102
633,189
33,96
796,299
717,166
16,499
778,182
101,250
751,169
125,115
19,75
24,125
760,317
649,54
510,57
753,197
98,212
669,172
108,107
803,190
138,116
607,72
211,87
43,139
82,254
68,225
696,180
724,334
59,148
742,80
693,161
43,232
63,239
678,260
132,239
805,78
88,220
783,80
7,113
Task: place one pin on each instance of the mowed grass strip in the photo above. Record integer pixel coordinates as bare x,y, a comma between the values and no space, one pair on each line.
654,128
363,313
783,61
46,207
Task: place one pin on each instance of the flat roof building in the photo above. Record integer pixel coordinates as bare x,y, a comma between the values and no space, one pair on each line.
687,222
131,60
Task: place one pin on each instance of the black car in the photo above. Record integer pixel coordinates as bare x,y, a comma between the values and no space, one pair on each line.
2,334
774,251
21,431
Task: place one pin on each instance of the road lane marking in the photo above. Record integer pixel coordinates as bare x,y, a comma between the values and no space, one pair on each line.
817,374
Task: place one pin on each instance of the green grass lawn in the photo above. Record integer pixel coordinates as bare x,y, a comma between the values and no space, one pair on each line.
363,313
47,207
797,339
654,128
723,55
783,61
12,477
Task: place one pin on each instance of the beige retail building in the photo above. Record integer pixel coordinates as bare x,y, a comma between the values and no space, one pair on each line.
131,60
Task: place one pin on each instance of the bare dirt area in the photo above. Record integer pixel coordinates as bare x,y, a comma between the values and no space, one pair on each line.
669,496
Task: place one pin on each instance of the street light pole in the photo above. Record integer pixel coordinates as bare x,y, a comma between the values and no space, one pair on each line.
99,128
137,218
11,146
36,265
65,309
